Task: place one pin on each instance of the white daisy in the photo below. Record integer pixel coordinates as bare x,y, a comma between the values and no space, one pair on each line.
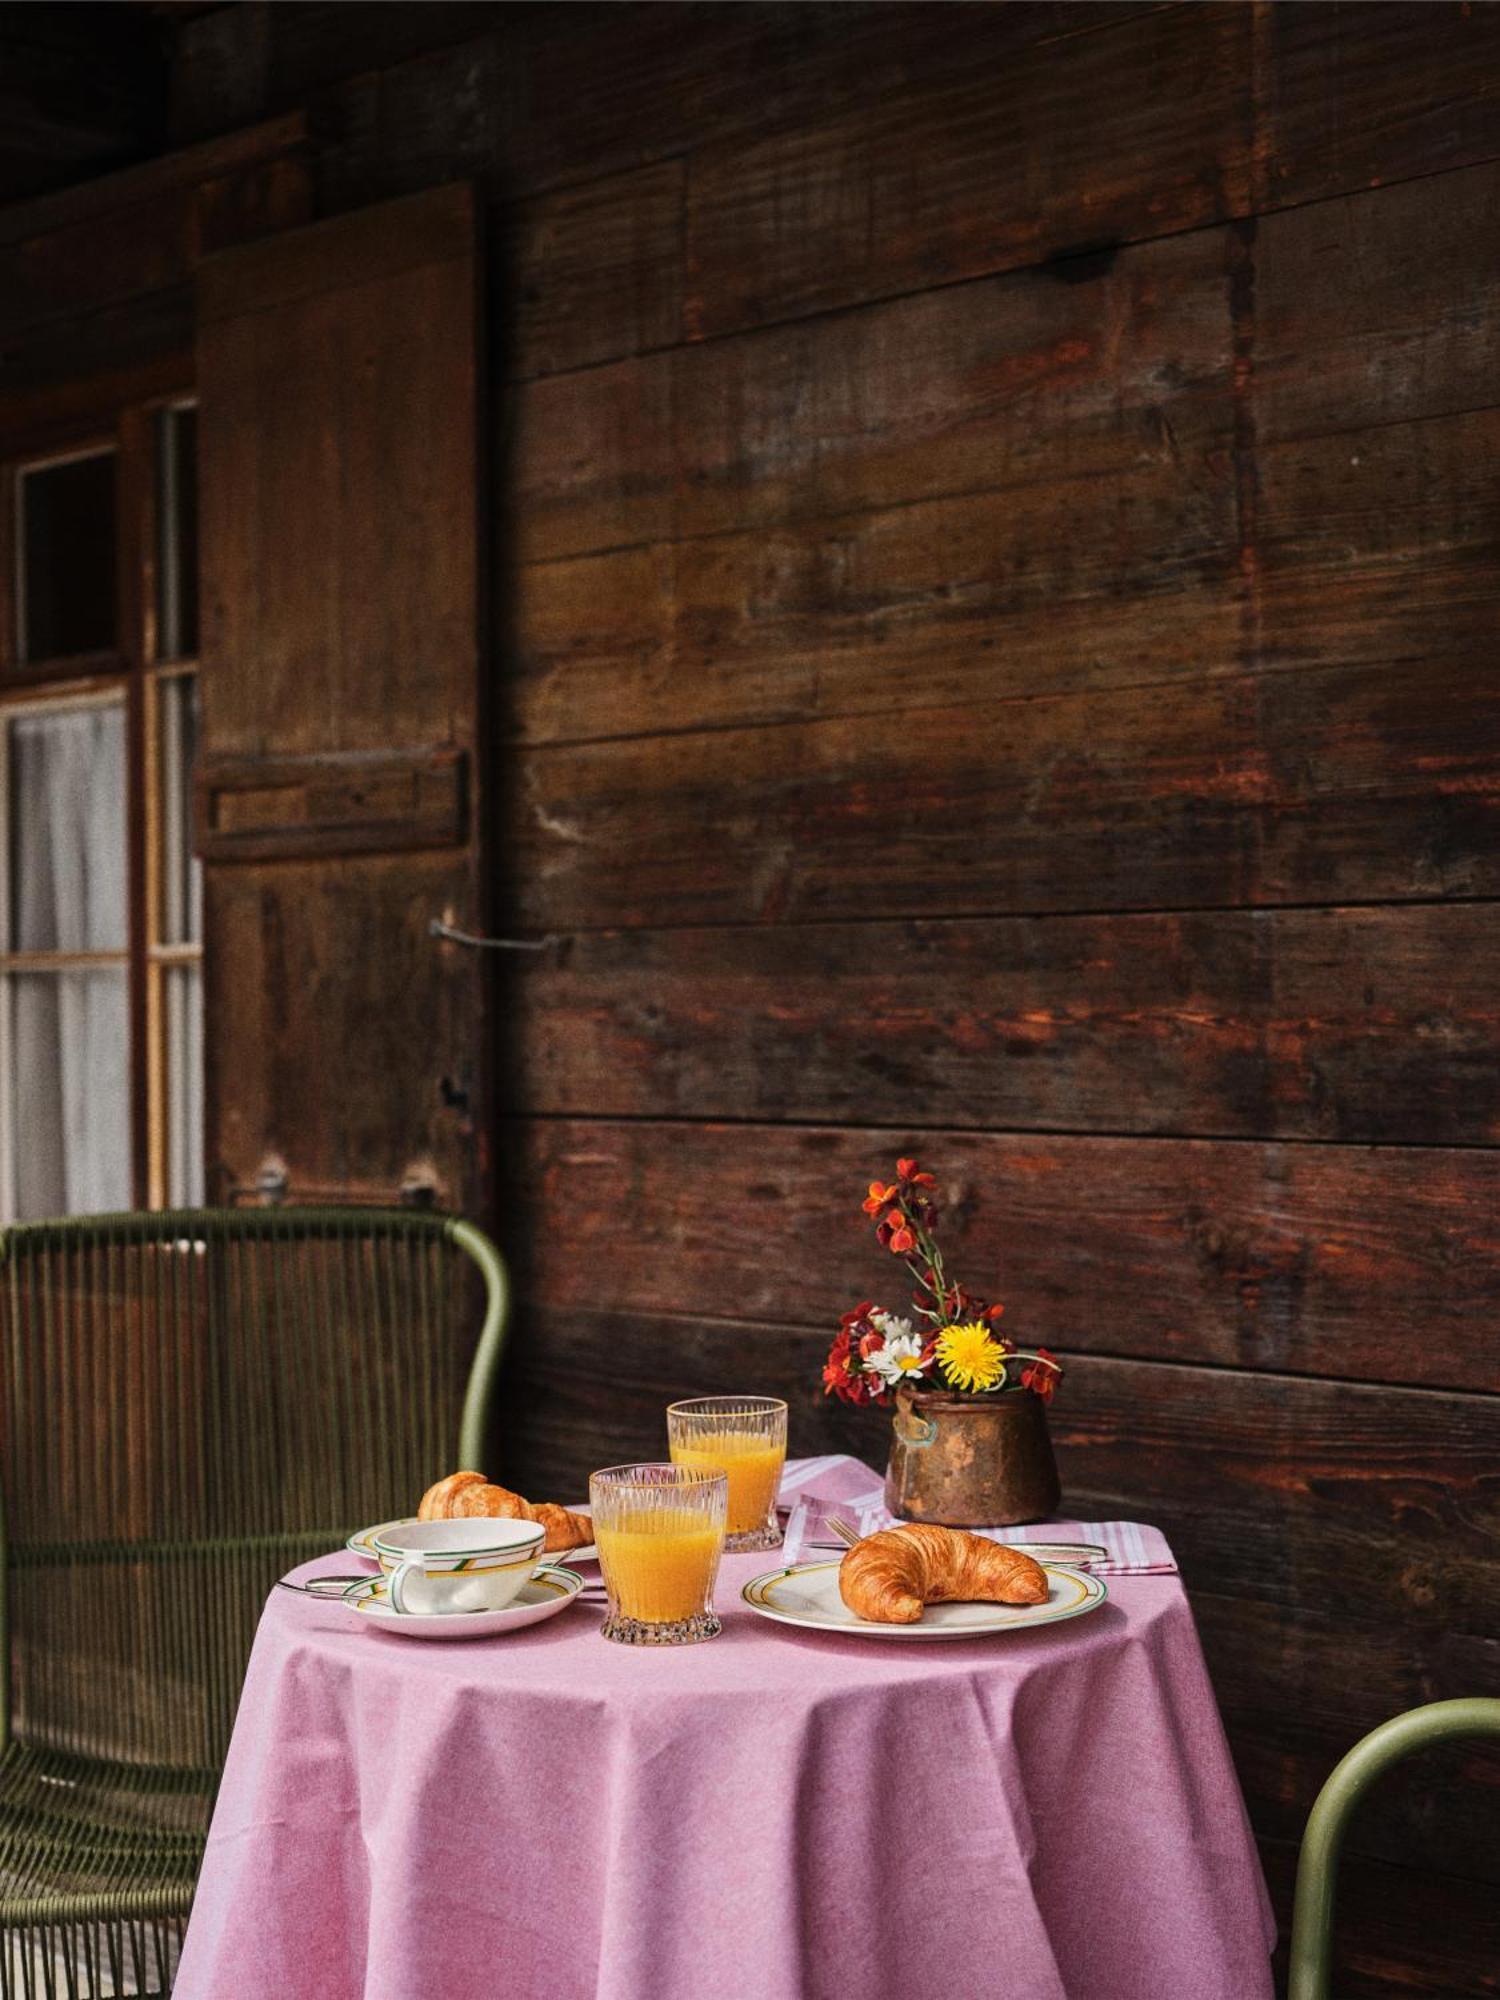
889,1325
900,1360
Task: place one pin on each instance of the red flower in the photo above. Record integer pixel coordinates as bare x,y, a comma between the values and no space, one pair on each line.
1041,1376
907,1170
838,1379
879,1196
871,1344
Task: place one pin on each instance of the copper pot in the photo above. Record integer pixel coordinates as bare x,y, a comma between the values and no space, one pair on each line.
971,1462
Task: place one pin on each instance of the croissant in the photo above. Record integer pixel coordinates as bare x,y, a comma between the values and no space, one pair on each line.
464,1494
889,1577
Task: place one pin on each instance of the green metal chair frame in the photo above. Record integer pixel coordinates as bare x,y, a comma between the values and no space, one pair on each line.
190,1402
1351,1778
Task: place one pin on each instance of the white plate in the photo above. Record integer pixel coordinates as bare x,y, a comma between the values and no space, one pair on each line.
543,1597
807,1594
362,1543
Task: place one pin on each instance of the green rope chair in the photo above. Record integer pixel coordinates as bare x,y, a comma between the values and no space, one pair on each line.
1351,1778
191,1402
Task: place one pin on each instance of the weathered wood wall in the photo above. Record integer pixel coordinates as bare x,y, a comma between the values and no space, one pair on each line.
996,567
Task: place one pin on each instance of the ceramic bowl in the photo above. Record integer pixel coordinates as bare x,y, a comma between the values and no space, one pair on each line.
469,1565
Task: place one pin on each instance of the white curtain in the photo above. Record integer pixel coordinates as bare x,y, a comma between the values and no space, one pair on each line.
70,1031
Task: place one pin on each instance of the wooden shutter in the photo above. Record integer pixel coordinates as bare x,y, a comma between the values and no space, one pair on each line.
338,794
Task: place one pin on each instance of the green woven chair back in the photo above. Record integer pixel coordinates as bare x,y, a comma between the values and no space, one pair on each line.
191,1403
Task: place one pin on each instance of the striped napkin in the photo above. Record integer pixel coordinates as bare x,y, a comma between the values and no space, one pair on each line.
1132,1548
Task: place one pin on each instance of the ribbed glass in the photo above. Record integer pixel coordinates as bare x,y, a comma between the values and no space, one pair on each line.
743,1437
659,1530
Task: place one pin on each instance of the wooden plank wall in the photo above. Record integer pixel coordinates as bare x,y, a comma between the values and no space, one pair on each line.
996,570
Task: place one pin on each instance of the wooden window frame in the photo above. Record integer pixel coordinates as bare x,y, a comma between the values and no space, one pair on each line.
132,672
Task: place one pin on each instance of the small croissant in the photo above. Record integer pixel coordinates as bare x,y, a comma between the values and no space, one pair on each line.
888,1578
463,1494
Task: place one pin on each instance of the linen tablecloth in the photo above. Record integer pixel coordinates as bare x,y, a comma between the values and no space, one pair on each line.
773,1815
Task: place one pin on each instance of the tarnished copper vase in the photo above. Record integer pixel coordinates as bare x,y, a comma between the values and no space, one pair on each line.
971,1462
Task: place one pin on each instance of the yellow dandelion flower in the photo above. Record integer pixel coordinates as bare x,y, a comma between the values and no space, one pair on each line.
971,1357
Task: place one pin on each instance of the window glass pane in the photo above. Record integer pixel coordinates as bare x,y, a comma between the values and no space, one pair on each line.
67,558
70,1092
184,1025
180,917
177,527
68,830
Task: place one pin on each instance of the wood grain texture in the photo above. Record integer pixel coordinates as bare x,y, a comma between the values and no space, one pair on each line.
339,446
618,86
360,618
321,977
1361,1025
1368,1264
1010,382
145,230
1361,96
1375,309
832,214
598,270
1341,786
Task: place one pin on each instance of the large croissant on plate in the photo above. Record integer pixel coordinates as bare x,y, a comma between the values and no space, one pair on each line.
468,1493
889,1577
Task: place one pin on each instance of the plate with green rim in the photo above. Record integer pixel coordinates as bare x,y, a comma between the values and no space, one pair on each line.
807,1595
547,1593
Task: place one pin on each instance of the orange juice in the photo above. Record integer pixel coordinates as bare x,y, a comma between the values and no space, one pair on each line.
659,1566
754,1469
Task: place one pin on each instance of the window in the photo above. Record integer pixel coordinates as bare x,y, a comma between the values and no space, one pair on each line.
101,994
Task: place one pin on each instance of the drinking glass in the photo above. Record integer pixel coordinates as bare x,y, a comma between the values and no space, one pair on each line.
745,1438
659,1530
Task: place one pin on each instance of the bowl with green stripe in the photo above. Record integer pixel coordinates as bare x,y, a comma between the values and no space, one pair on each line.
477,1564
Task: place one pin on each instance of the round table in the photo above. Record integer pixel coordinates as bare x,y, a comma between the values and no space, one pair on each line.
772,1815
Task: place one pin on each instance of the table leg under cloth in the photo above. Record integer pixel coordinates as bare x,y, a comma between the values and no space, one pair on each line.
770,1816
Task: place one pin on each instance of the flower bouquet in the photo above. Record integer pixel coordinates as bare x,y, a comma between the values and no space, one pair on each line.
971,1447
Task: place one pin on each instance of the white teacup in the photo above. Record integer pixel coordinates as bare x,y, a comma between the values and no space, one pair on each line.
468,1565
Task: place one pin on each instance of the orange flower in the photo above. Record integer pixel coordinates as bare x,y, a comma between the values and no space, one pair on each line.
879,1196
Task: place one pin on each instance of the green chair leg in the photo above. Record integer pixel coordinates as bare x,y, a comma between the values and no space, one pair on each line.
1312,1914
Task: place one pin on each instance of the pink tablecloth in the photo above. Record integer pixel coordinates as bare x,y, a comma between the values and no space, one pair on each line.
771,1816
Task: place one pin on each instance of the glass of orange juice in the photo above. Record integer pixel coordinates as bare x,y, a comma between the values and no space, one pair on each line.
745,1438
659,1530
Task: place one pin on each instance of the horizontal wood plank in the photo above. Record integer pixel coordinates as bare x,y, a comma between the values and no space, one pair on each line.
1380,544
591,457
833,214
1312,788
1008,382
1374,309
617,86
1118,579
1356,1025
597,270
1361,96
1139,562
1378,1265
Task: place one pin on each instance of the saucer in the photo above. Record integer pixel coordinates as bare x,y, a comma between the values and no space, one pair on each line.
543,1597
